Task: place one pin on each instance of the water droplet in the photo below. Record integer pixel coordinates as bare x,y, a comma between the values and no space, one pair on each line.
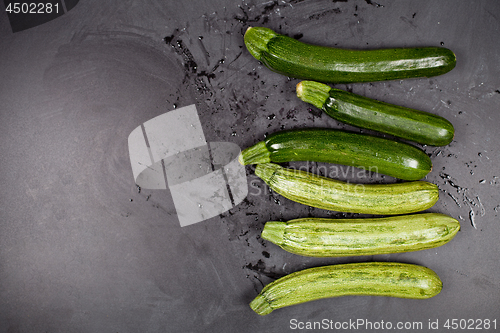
472,218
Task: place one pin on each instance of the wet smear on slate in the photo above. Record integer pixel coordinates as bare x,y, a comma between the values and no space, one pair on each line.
464,198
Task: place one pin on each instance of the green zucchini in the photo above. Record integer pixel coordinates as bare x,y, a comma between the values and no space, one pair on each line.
409,124
295,59
322,237
326,193
369,279
372,153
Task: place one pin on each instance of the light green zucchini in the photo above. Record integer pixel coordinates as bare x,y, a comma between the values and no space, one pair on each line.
323,237
326,193
370,278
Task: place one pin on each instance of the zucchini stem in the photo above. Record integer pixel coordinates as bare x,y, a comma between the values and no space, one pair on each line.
258,153
261,306
273,232
266,171
256,40
314,93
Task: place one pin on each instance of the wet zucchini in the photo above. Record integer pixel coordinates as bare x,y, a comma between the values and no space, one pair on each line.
371,279
326,193
372,153
299,60
322,237
409,124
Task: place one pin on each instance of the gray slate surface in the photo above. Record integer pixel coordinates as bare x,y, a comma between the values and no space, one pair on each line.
82,249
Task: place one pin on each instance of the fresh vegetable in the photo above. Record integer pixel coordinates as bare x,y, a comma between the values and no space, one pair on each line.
322,237
370,278
385,156
326,193
295,59
414,125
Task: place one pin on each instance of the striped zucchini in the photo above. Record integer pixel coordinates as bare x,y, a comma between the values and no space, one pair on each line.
370,279
385,156
414,125
321,237
326,193
295,59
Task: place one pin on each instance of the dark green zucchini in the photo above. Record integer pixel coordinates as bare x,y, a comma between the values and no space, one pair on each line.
330,194
409,124
388,279
385,156
324,237
299,60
